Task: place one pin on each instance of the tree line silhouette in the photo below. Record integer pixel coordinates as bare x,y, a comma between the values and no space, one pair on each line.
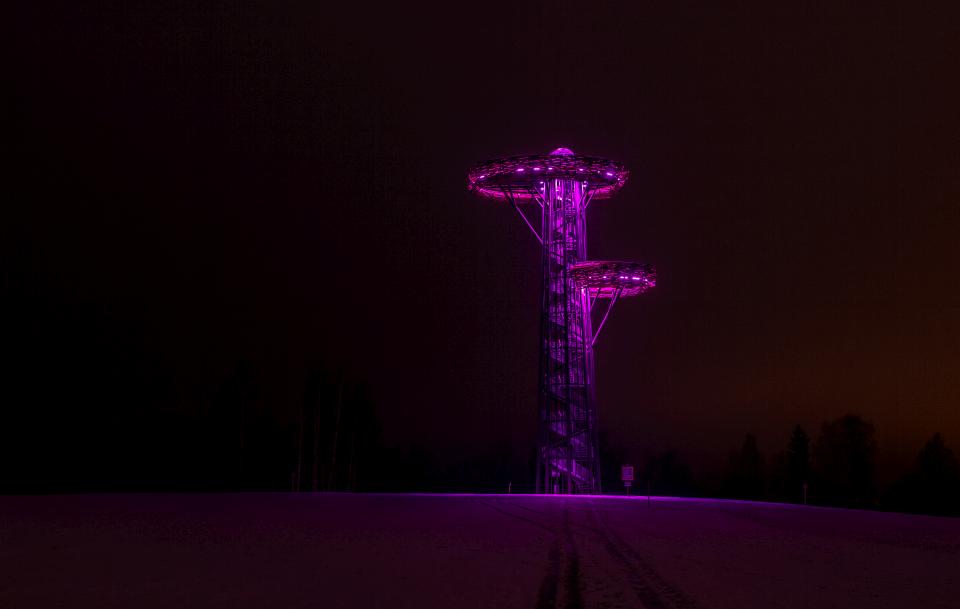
838,468
228,437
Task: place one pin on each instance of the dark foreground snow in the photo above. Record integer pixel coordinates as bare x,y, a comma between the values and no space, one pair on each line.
328,551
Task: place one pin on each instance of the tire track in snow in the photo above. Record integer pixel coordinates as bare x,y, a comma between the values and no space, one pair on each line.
561,584
547,594
653,590
574,595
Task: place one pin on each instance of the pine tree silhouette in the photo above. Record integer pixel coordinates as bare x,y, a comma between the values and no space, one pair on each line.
797,464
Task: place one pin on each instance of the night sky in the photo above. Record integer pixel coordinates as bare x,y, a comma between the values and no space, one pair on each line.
195,187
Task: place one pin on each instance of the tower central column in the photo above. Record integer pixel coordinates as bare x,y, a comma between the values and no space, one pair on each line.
567,452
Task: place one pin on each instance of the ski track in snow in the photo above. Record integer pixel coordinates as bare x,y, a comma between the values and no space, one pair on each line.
348,550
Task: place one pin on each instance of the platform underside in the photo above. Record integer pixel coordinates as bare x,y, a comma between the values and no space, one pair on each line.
614,278
522,177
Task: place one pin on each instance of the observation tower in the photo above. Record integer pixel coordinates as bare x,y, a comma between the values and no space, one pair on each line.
561,185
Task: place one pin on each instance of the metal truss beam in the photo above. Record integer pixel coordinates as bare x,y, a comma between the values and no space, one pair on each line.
613,301
513,203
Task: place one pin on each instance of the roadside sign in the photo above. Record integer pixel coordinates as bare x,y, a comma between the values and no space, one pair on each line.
626,473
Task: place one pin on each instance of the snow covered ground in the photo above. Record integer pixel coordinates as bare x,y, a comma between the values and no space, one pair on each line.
342,550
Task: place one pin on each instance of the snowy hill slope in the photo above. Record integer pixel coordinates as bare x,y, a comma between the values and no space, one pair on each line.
341,550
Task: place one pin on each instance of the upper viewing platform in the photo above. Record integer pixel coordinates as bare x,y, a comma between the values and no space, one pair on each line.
521,177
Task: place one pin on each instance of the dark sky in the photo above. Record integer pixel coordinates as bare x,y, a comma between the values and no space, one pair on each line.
195,185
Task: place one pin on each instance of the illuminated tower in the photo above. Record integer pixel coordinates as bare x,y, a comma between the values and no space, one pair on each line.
562,185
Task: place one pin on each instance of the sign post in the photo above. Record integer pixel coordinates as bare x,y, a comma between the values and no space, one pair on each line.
626,474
